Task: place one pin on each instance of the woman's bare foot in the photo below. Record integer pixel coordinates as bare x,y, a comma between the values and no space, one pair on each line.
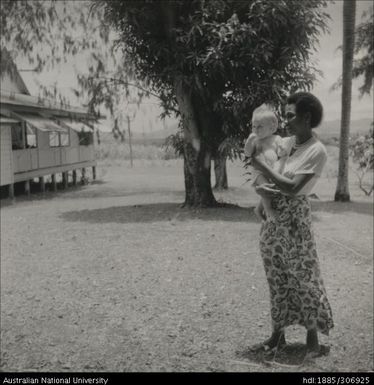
323,350
313,348
276,340
312,344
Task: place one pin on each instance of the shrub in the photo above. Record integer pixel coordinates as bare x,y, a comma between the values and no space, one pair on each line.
362,153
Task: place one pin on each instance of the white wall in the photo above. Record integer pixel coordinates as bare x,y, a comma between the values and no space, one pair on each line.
6,174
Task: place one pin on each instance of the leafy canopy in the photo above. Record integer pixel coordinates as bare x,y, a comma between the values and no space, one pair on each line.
232,55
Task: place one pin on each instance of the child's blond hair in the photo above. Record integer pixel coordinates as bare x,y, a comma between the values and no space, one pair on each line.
265,111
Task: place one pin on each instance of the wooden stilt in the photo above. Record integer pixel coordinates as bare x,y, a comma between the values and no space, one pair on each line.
65,179
42,184
27,188
83,176
74,177
54,183
93,172
11,191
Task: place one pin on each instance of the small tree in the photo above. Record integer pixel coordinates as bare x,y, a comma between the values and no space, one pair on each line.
362,152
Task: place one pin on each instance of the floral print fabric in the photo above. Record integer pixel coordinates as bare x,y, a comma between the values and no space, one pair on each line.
292,269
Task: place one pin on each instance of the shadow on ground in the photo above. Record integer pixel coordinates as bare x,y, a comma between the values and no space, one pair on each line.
291,355
159,212
342,207
48,194
163,212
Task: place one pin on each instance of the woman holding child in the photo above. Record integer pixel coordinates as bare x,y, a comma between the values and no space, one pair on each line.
287,245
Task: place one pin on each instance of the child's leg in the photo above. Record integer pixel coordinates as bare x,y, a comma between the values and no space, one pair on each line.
259,211
265,203
269,211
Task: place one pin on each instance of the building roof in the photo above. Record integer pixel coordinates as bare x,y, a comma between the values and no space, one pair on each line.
6,120
7,66
23,101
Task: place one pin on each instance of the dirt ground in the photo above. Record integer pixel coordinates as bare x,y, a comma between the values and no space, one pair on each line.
115,276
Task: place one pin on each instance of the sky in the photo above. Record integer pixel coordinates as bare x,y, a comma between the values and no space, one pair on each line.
328,59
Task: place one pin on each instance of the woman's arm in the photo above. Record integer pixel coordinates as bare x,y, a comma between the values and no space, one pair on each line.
286,185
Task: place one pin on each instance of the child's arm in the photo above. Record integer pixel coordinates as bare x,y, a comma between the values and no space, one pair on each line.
290,186
283,148
250,145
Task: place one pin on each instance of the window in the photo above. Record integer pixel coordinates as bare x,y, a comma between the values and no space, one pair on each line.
54,140
18,136
85,138
30,136
64,139
59,139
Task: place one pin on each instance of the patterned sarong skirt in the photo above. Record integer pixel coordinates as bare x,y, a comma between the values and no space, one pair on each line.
288,250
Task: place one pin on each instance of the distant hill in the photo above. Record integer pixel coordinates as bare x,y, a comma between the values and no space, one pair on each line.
332,128
327,132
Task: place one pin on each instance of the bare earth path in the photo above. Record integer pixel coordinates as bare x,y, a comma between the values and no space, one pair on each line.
114,276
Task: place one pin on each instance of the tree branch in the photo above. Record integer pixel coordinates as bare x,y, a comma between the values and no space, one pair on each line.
120,81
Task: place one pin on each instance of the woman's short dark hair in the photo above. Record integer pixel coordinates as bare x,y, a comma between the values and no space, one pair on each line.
306,102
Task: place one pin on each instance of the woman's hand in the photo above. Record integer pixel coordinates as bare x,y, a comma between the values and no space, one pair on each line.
267,190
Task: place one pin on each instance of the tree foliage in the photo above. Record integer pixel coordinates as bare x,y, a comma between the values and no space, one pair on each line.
211,62
363,63
362,152
46,33
215,61
233,54
365,47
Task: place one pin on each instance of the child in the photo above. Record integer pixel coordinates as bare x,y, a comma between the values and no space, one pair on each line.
263,141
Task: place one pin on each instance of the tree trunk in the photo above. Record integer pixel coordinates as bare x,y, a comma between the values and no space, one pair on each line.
197,177
220,172
197,155
349,13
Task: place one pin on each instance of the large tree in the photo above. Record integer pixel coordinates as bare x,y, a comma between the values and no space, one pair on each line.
349,15
216,61
211,62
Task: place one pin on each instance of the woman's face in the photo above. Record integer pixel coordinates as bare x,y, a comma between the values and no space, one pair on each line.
296,124
291,118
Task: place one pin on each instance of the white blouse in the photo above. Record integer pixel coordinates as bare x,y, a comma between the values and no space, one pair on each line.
308,158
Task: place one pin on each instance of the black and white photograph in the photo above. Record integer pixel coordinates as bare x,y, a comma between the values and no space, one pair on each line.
186,187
